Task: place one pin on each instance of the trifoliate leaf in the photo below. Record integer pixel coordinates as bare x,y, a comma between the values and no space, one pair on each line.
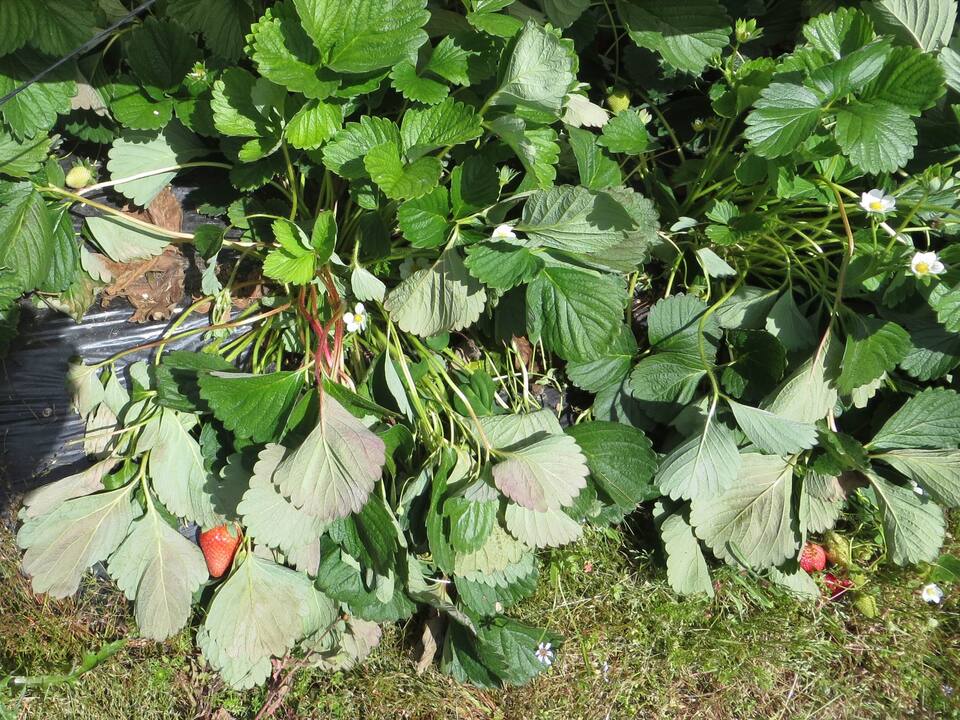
540,71
751,518
625,133
576,313
122,241
850,73
936,471
63,543
687,35
913,524
839,33
400,180
345,153
873,347
773,433
783,117
703,466
160,570
332,473
26,235
687,570
258,613
251,406
574,219
544,474
441,298
552,528
501,265
449,123
877,136
177,470
292,262
358,36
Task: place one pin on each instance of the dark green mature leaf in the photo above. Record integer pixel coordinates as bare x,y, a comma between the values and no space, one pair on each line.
621,461
930,419
35,109
574,219
667,377
576,313
161,53
251,406
877,136
597,169
358,36
415,87
873,347
223,23
673,325
759,360
494,599
839,33
26,234
474,184
345,153
851,72
540,71
21,159
783,117
502,266
688,35
470,522
448,123
911,79
52,27
609,369
424,221
509,648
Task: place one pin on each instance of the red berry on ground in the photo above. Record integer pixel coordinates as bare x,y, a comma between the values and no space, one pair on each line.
218,546
836,586
813,558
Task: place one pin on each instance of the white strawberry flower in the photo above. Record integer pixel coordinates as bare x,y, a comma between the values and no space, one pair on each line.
932,593
357,320
926,263
875,201
503,232
544,654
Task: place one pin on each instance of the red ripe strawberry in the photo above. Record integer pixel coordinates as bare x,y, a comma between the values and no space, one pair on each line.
813,558
836,586
219,545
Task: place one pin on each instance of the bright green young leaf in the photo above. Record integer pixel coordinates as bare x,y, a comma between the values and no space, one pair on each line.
687,35
20,159
911,79
750,518
415,87
620,459
625,133
936,471
702,467
160,570
345,153
773,433
471,522
536,147
332,473
783,117
424,221
35,109
293,261
540,71
441,298
839,33
400,180
913,524
597,169
546,473
314,124
576,313
449,123
62,544
359,36
877,136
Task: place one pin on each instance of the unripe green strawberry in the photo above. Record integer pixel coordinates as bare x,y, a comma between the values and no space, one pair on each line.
866,604
838,549
618,101
219,545
79,177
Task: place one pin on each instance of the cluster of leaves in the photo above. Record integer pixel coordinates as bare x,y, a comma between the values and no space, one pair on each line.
445,166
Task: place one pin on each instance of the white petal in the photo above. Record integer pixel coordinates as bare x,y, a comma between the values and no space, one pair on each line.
937,267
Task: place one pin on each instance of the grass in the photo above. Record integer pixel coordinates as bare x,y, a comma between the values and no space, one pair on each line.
633,650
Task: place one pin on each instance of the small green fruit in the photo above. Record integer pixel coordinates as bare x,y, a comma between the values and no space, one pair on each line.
79,177
618,101
838,548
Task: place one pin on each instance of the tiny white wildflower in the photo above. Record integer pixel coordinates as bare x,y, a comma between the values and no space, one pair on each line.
357,320
876,201
503,232
544,654
926,263
932,593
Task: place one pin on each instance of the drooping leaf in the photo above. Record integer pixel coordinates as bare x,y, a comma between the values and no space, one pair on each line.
913,525
688,35
773,433
703,466
687,570
936,471
251,406
930,419
551,528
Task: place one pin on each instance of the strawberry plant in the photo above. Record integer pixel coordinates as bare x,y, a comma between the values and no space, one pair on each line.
724,241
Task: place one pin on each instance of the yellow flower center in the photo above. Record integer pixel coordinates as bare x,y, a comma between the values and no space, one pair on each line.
876,205
923,268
